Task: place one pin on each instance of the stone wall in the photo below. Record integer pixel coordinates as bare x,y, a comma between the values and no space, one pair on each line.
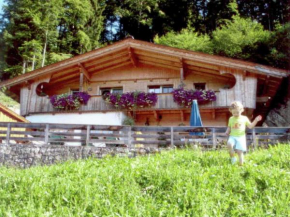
279,117
25,156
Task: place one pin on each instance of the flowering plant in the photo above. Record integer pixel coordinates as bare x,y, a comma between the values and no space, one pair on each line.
69,101
185,97
131,100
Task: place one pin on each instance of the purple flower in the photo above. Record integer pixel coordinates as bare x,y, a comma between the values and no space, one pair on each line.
69,101
185,97
132,100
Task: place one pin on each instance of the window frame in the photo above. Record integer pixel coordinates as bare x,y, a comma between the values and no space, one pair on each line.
110,89
199,83
160,87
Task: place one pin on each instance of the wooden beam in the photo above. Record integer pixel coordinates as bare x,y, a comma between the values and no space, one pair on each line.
109,63
156,56
119,65
64,79
26,84
266,83
205,74
213,114
155,113
181,70
158,64
182,115
245,74
159,61
84,71
263,99
81,80
105,61
105,58
132,57
181,75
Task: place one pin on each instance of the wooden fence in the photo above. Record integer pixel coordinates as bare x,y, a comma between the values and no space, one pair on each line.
131,137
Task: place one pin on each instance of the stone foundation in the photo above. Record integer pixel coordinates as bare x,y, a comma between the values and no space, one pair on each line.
25,156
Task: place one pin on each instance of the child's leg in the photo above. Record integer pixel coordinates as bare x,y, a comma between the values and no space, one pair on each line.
231,144
241,157
231,147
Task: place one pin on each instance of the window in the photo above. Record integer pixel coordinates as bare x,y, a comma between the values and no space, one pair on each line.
41,89
167,89
73,91
117,90
161,89
199,86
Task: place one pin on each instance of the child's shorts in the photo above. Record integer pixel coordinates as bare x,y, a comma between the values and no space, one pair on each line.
239,142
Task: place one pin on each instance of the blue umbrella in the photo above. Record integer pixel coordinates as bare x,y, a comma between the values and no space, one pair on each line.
195,118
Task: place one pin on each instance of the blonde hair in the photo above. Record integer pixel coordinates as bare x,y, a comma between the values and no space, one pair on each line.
236,105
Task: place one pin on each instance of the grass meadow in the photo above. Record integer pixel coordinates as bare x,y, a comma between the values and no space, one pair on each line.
175,183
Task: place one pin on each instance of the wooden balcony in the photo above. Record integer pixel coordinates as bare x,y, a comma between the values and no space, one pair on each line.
165,102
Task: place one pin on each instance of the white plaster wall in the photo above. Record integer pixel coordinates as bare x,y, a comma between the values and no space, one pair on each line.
109,118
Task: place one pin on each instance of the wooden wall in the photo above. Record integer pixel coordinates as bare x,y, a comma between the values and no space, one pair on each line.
132,79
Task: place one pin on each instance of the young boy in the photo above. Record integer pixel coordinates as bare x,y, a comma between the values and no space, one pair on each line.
237,131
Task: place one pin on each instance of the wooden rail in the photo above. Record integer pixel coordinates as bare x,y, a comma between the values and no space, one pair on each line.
96,103
131,137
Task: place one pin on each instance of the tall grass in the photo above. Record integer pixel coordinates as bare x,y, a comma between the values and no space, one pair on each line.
175,183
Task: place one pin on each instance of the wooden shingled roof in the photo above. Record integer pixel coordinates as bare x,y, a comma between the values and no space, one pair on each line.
130,52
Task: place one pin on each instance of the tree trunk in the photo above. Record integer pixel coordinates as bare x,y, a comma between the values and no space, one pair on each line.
24,67
44,49
33,62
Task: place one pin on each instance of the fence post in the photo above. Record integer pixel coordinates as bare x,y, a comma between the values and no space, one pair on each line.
172,136
88,135
46,134
214,138
130,137
254,138
8,133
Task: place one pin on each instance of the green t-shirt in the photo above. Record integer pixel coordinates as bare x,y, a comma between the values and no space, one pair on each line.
238,125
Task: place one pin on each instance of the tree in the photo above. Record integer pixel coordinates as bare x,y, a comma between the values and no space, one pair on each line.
279,46
232,38
32,30
186,39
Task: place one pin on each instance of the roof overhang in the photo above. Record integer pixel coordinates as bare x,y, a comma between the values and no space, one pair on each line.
132,52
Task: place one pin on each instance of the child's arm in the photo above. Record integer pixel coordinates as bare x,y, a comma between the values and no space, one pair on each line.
228,131
257,119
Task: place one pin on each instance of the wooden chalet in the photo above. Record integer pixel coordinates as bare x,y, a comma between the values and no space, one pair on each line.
131,65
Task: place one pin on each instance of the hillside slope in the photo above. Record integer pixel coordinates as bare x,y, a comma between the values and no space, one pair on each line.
175,183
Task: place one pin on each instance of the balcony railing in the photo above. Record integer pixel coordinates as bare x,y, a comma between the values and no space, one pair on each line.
165,101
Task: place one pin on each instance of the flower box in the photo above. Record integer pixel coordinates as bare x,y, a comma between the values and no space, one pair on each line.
69,101
184,97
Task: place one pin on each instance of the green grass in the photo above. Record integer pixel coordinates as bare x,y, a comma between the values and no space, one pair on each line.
175,183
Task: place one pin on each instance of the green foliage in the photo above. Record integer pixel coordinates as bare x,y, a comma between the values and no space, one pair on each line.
7,101
57,57
175,183
34,29
128,121
186,39
279,47
232,38
36,32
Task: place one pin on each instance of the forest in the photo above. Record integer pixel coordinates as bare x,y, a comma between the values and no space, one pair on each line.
35,33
